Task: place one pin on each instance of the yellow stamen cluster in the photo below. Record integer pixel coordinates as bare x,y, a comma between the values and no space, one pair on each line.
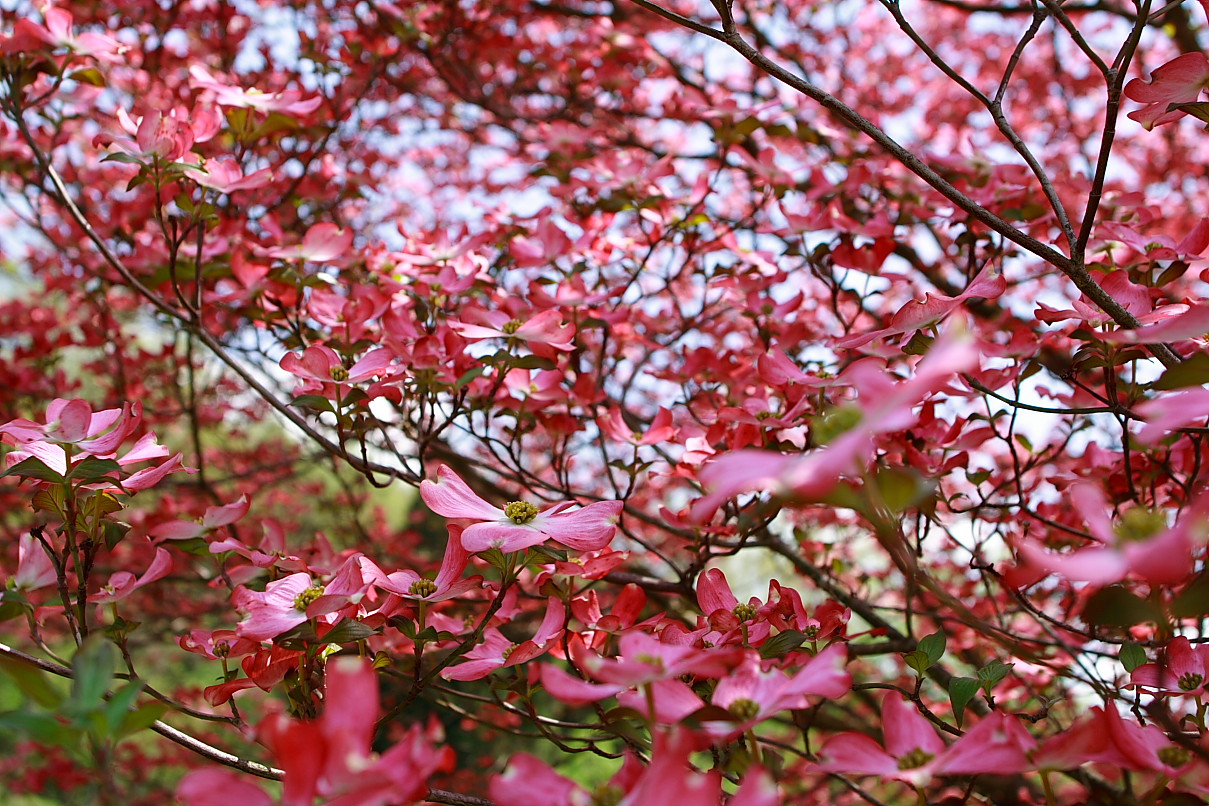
1190,681
422,587
1174,756
745,709
606,795
508,650
520,512
511,326
305,599
915,759
339,374
744,612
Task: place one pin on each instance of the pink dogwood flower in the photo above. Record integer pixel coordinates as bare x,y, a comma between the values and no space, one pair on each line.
288,102
914,752
1179,81
322,243
320,365
519,524
669,779
544,334
332,757
497,652
1185,670
216,517
1163,557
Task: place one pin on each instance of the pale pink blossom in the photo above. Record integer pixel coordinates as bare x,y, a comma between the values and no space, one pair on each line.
518,525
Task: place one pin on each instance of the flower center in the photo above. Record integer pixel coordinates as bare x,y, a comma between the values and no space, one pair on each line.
745,709
305,599
511,326
744,612
1174,756
1190,681
915,759
422,587
606,795
508,650
520,512
339,374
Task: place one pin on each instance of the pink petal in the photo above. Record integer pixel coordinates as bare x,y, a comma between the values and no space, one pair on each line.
451,497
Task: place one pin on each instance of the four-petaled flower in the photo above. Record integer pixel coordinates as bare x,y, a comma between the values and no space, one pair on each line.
519,524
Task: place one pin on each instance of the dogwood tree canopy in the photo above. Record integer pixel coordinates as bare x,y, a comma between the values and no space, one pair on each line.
739,402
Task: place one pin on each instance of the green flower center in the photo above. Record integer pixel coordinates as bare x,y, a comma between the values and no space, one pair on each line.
744,612
520,512
1190,681
305,599
606,795
915,759
811,631
764,415
339,374
745,709
511,326
422,587
1174,756
508,650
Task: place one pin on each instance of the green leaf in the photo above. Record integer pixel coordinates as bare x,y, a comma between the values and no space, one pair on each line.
1132,656
41,727
312,402
1193,600
548,552
348,631
961,691
33,468
32,682
92,670
782,643
901,488
468,376
531,362
120,705
1115,606
140,718
93,469
991,674
934,646
1200,111
1194,371
918,660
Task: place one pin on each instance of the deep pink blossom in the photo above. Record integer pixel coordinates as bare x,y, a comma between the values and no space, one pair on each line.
914,752
1179,81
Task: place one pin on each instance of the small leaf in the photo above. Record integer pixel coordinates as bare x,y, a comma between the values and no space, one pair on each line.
1193,600
32,682
33,468
991,674
140,718
1115,606
1194,371
468,376
548,552
93,469
782,644
532,362
312,402
934,646
92,670
348,631
961,691
918,660
1132,656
